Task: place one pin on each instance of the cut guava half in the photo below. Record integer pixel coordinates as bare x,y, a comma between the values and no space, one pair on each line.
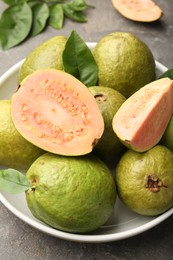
143,117
56,112
137,10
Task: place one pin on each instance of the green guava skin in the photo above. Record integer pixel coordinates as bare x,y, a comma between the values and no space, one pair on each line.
167,138
125,63
46,55
109,101
15,151
131,177
73,194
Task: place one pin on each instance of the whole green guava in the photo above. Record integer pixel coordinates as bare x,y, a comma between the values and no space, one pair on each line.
109,101
73,194
145,180
15,151
125,62
46,55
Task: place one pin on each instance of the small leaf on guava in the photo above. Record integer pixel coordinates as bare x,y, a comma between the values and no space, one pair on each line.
167,74
79,61
13,181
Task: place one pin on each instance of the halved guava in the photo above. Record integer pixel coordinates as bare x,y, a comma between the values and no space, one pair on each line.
143,117
56,112
137,10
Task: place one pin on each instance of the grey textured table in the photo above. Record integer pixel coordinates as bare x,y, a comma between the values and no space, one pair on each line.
19,241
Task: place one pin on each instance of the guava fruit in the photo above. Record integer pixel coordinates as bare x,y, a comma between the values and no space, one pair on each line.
46,55
144,181
142,119
56,112
125,62
73,194
109,101
15,151
137,10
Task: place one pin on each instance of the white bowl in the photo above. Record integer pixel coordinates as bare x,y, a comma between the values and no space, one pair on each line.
122,224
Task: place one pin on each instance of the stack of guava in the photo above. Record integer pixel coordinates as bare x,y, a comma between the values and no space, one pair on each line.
69,136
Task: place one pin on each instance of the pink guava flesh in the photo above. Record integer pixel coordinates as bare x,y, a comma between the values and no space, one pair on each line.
142,119
137,10
57,113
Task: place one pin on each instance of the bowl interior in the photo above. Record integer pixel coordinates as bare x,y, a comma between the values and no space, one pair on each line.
122,224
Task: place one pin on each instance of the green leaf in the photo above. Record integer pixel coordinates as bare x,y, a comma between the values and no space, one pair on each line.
56,17
25,18
77,16
77,5
31,3
13,181
14,2
40,14
78,60
75,10
167,74
54,1
15,25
